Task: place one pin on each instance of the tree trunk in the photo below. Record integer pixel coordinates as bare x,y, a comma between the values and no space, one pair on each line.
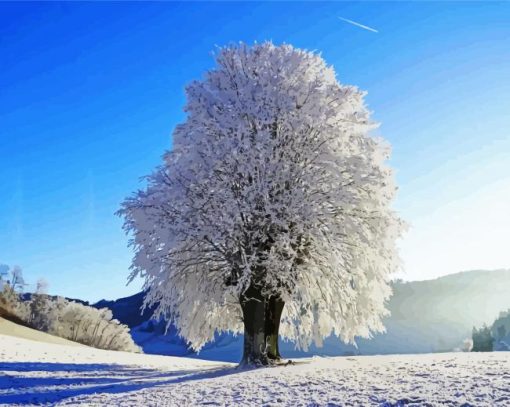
261,316
274,309
253,305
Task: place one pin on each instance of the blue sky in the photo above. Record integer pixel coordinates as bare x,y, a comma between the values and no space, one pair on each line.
90,93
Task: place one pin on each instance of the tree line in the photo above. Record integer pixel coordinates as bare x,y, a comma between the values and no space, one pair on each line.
61,317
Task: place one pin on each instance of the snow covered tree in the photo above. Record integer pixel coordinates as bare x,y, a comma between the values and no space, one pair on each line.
11,285
17,281
41,286
271,215
93,327
41,307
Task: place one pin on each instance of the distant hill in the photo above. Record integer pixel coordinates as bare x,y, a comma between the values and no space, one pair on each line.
128,309
436,315
426,316
28,297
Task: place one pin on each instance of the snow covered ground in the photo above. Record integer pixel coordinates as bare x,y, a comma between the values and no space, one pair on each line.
35,372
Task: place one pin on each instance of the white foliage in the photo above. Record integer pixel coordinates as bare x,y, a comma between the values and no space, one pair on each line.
77,322
273,178
90,326
467,345
61,317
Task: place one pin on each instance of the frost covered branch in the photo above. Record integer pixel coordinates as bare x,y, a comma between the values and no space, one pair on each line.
274,186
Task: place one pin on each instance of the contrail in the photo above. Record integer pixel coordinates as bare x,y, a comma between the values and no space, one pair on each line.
358,25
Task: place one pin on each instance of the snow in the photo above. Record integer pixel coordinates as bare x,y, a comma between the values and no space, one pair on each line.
12,329
35,372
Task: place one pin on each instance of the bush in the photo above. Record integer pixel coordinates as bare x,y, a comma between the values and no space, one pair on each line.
60,317
11,305
93,327
8,299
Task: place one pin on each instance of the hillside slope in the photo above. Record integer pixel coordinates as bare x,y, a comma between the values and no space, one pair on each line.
34,373
19,331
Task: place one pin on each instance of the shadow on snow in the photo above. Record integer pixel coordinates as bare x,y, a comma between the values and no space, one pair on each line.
89,379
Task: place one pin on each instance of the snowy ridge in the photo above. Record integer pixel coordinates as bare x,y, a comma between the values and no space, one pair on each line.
40,373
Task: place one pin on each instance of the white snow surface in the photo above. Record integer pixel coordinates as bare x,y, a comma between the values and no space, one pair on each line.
47,374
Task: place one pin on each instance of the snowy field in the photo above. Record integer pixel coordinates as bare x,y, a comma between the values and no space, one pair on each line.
41,373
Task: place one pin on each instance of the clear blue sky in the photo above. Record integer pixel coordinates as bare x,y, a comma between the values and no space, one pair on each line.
90,93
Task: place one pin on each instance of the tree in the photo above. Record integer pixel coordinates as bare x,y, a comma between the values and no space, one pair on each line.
467,345
4,273
17,281
271,215
500,331
482,340
93,327
41,286
11,285
41,308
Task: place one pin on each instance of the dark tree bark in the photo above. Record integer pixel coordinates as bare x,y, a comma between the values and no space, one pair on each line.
261,317
253,305
274,309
